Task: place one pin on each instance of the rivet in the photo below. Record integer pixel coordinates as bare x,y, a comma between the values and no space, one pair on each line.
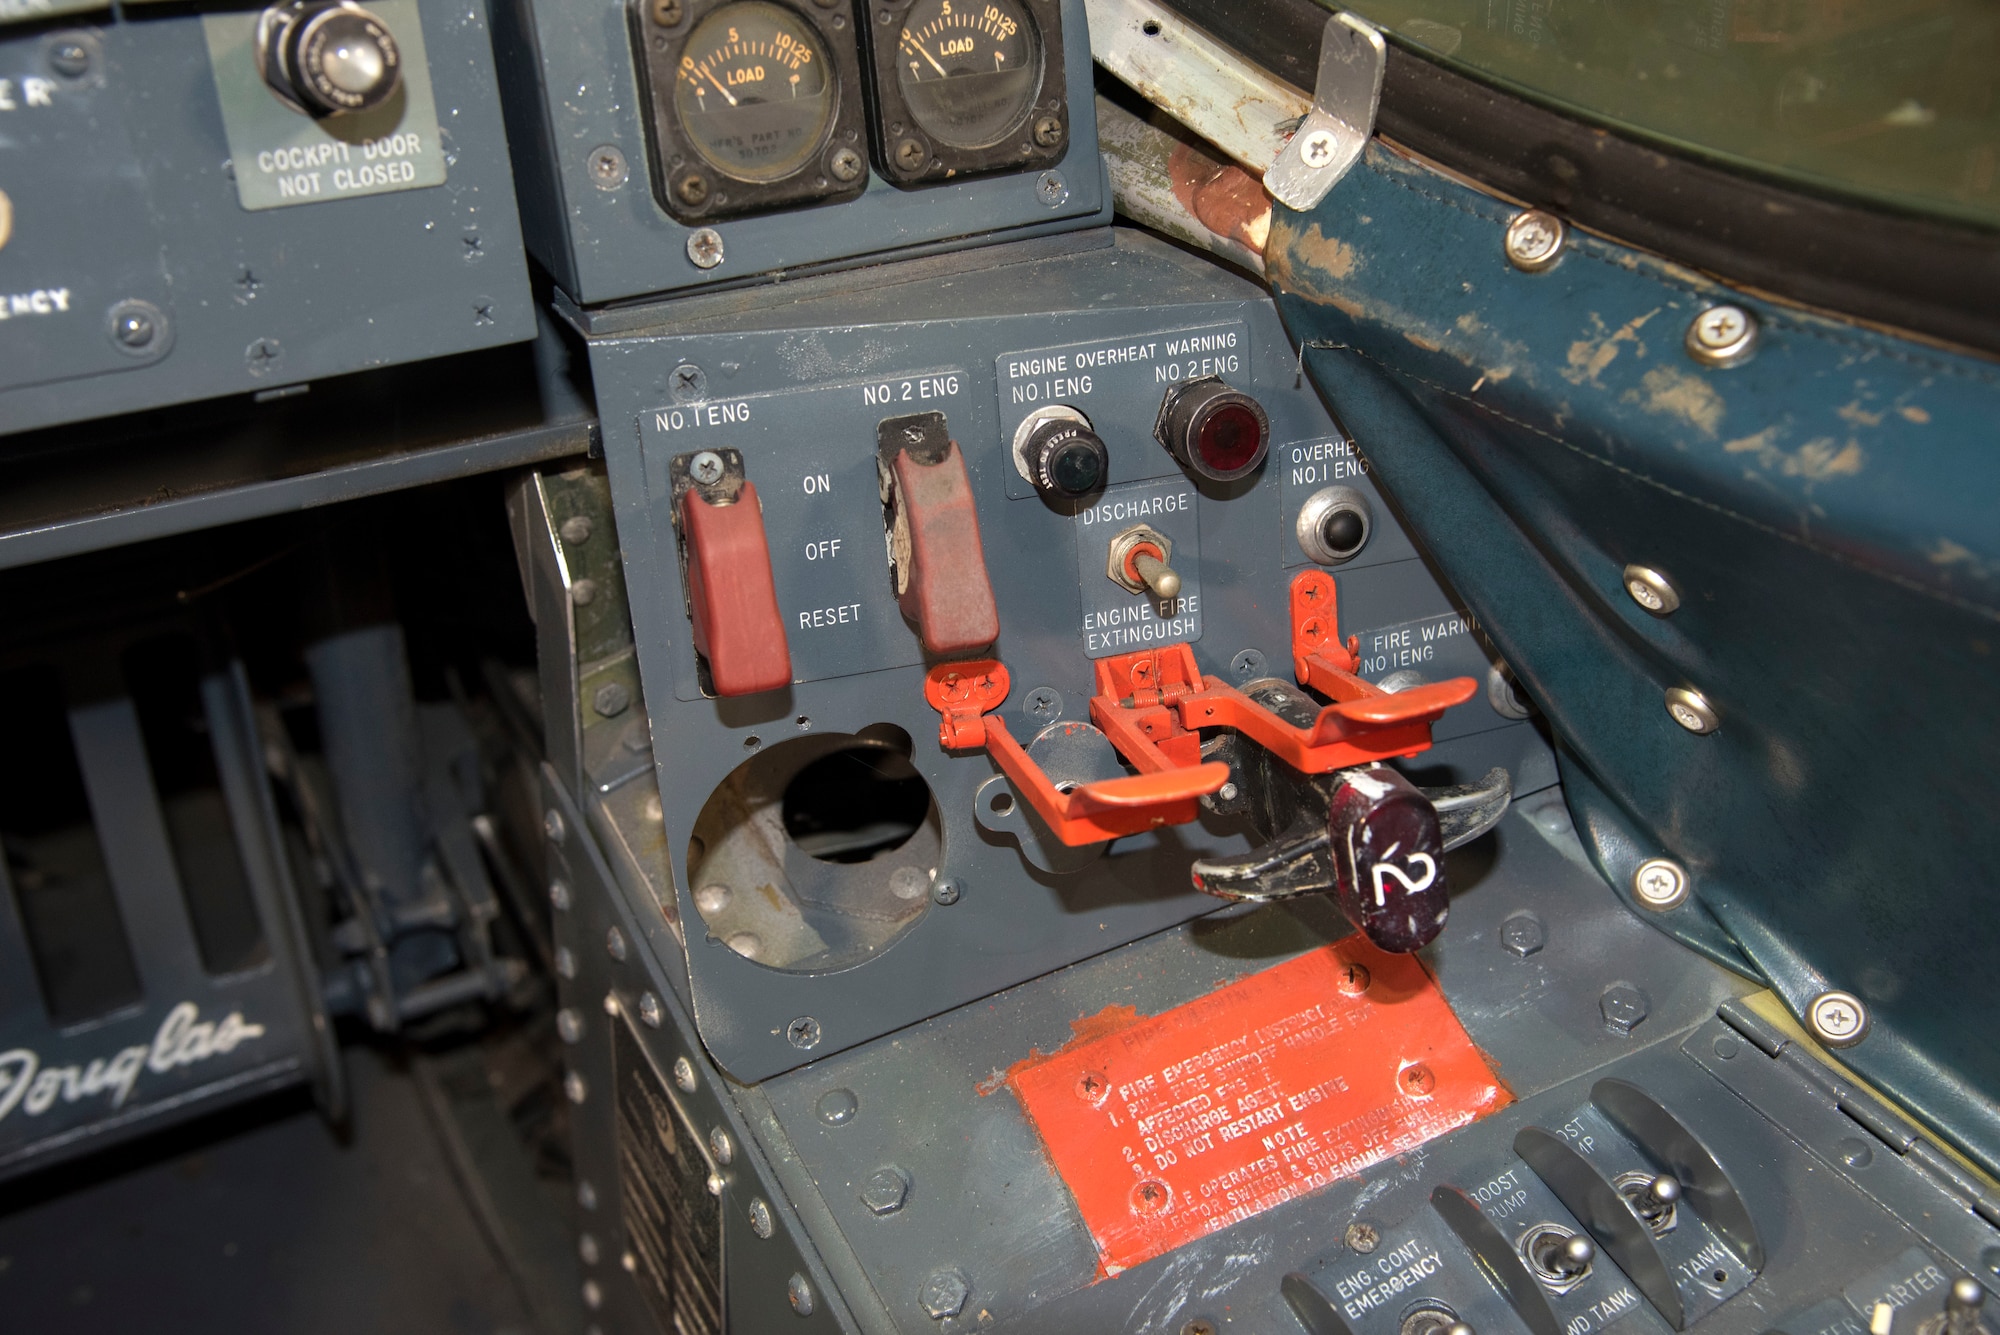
761,1222
569,1025
684,1074
800,1294
552,825
1660,883
559,896
575,1088
1722,336
1535,240
1651,590
1690,709
721,1146
649,1011
614,944
1838,1019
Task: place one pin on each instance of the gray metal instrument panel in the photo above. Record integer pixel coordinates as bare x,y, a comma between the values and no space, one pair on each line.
170,230
796,380
576,122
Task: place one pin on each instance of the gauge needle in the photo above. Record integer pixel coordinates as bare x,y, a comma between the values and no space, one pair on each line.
718,87
928,56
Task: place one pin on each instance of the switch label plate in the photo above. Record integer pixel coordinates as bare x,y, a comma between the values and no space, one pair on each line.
1115,621
822,508
282,158
1117,382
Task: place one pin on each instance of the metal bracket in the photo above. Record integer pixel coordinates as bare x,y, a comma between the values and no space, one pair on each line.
1329,141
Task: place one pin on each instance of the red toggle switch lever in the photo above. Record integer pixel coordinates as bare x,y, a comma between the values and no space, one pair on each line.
732,600
940,564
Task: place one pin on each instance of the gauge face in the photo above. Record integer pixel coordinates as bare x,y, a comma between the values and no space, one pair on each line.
753,91
969,70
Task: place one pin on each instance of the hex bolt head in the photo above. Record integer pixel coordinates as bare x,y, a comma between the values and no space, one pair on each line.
1522,934
704,244
944,1292
800,1294
885,1190
1660,884
845,165
1838,1019
1048,132
1651,590
1722,336
803,1033
1535,240
608,168
1623,1007
1691,709
1052,189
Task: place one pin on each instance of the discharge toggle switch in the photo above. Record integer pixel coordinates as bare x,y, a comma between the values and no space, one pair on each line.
935,553
732,599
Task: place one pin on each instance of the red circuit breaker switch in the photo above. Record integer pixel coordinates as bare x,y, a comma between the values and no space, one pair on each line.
731,597
934,546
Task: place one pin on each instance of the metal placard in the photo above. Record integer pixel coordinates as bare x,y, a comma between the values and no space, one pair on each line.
283,158
671,1222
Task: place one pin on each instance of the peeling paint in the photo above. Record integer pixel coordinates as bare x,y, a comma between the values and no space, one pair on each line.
1589,356
1676,393
1855,415
1818,460
1914,414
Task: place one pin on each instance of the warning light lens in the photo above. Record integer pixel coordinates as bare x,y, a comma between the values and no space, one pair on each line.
1231,439
1214,431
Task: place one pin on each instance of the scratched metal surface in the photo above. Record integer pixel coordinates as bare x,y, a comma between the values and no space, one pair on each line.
1825,510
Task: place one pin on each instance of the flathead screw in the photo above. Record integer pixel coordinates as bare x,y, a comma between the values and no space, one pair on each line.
1838,1019
704,244
69,58
1722,336
1534,240
608,168
1660,884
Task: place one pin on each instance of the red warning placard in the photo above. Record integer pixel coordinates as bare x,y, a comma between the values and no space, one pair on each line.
1170,1127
